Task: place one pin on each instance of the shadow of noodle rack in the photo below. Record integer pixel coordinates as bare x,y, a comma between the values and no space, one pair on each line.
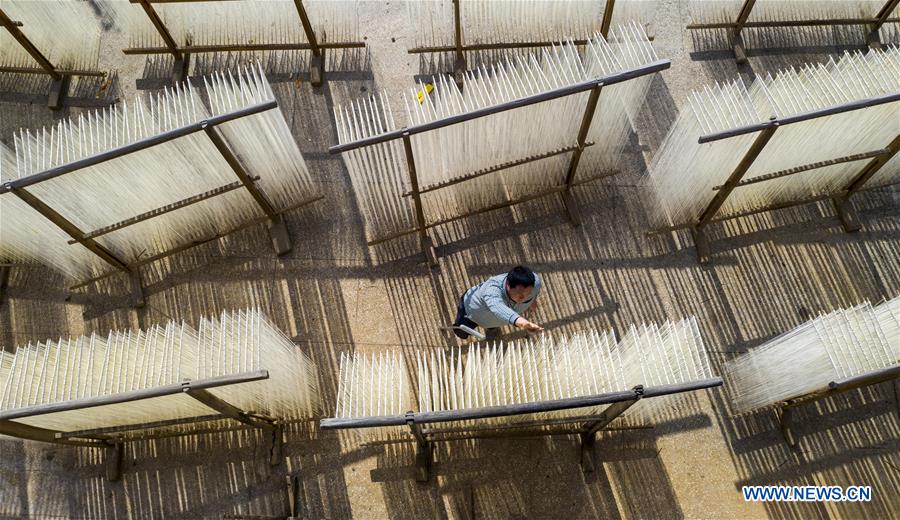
182,53
244,181
564,188
60,76
764,133
422,425
871,24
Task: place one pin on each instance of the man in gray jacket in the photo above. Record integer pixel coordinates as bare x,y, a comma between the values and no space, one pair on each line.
499,301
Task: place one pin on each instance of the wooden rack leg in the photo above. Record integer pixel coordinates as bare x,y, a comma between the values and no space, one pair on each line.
873,40
589,434
278,233
607,17
425,242
587,452
896,386
317,61
4,281
459,71
581,141
137,289
849,219
294,496
701,244
846,214
430,252
459,64
740,52
114,456
786,422
58,90
277,452
424,450
700,239
317,68
281,240
424,461
180,68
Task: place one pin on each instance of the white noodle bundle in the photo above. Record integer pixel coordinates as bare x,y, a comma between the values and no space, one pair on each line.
684,172
378,172
530,371
123,361
583,364
541,369
371,385
245,22
66,32
26,236
835,346
518,21
725,11
113,191
720,11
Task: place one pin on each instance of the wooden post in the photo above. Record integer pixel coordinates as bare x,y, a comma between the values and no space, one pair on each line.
4,281
424,239
227,409
29,47
317,61
278,233
424,449
873,39
607,17
786,421
849,219
34,433
589,435
697,230
59,85
296,500
277,452
78,235
114,457
182,60
459,63
581,139
69,228
740,54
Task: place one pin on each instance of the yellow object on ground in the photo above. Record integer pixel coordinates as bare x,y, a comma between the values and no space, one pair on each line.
421,94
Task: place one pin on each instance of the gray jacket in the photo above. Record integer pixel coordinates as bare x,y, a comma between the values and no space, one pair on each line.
488,305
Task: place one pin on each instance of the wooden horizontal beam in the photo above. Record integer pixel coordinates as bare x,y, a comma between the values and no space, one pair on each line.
238,47
496,168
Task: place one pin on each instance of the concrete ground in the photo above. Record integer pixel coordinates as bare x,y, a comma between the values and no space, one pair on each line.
769,274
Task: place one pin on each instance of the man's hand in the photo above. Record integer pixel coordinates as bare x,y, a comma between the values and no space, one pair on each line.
530,327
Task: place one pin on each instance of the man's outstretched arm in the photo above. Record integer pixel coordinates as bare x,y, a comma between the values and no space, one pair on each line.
500,309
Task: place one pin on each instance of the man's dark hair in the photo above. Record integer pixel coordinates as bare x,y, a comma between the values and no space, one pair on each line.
520,276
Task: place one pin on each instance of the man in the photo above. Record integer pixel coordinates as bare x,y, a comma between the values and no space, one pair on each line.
498,302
